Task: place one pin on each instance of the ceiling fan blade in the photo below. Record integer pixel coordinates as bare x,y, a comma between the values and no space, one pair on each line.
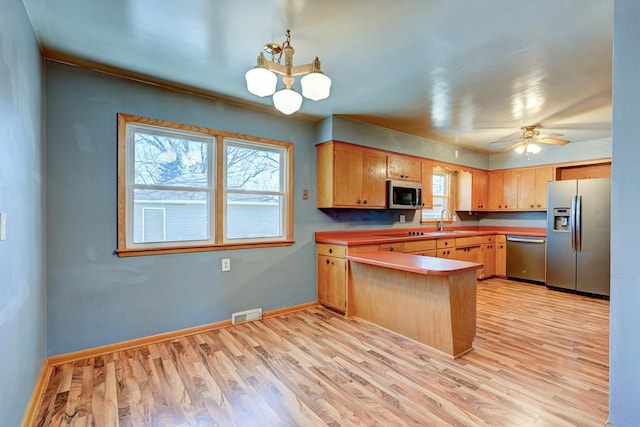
549,135
553,141
513,146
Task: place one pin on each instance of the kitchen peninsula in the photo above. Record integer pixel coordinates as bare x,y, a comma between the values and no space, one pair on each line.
428,299
417,282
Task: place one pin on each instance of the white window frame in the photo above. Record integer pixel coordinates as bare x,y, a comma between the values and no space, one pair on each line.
216,184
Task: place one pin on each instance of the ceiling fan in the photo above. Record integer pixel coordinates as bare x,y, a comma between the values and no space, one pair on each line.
530,139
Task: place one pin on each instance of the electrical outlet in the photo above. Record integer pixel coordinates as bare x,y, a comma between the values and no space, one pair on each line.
403,218
226,264
305,194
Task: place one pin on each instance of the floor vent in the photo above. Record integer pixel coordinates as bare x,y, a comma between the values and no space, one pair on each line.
245,316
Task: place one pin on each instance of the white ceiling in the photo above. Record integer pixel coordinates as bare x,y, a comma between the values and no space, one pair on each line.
465,72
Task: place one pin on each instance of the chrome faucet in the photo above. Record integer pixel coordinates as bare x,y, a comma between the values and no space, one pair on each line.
441,225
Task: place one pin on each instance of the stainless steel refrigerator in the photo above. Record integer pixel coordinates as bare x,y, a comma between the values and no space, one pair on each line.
578,230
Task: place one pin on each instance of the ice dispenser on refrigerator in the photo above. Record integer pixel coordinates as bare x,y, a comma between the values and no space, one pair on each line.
561,219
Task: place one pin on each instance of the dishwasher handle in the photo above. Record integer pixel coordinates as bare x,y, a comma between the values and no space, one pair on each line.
524,240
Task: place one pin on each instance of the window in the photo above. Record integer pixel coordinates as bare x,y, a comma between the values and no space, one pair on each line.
441,187
255,191
184,189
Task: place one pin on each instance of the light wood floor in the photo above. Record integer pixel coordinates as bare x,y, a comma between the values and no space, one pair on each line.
540,358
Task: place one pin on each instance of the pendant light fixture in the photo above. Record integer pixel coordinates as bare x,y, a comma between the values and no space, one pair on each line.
262,79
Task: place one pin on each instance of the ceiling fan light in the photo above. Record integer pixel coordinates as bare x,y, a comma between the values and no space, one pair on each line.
287,100
533,148
520,148
260,80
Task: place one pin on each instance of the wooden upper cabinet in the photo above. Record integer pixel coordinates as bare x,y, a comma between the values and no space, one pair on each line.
479,190
373,179
544,175
427,183
503,190
350,176
404,168
532,188
496,189
472,190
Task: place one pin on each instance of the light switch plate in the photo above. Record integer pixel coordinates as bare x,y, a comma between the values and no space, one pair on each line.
3,226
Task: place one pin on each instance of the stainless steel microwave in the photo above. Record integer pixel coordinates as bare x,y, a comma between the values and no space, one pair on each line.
404,195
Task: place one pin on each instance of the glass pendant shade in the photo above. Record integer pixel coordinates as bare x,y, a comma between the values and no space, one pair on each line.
260,81
315,86
520,149
533,148
287,100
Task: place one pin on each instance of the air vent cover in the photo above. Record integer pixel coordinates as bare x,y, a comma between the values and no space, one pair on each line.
247,315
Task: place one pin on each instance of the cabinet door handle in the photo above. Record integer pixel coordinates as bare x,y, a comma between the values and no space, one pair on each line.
365,202
328,261
390,249
330,250
359,201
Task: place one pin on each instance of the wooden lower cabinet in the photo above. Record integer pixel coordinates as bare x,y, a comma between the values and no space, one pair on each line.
332,282
332,276
421,247
501,255
333,269
488,257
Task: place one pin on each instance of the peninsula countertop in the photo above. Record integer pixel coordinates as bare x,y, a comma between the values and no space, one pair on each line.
414,263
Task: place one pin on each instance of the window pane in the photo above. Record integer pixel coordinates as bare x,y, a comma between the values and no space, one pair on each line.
254,216
253,169
439,184
170,216
165,160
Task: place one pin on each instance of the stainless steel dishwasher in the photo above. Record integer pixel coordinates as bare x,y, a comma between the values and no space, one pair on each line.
525,258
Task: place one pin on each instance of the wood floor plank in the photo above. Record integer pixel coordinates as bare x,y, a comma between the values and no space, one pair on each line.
540,359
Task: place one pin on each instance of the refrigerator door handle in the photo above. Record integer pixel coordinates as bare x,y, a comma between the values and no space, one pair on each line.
572,221
579,222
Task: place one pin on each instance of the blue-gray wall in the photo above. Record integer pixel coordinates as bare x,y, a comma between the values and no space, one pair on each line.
22,286
624,338
96,298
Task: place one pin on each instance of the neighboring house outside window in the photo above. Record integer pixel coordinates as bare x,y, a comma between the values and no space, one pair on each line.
184,189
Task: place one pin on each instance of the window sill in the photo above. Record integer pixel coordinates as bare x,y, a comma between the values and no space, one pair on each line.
187,249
